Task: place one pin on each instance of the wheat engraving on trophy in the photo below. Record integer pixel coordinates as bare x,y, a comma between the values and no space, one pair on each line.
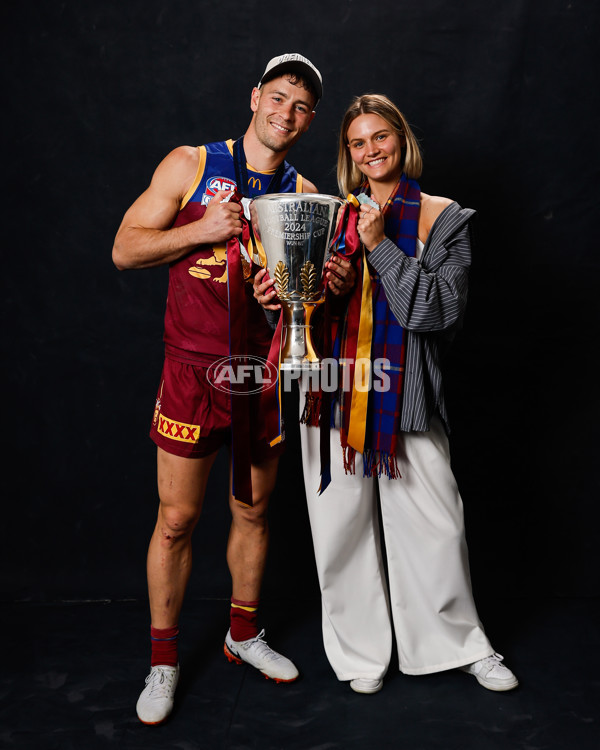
296,230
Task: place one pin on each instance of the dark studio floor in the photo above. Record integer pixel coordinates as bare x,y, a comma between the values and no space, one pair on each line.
71,674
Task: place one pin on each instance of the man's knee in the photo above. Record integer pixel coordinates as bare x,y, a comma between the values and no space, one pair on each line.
255,516
175,524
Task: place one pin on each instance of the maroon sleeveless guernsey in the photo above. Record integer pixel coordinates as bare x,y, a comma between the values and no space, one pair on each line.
196,318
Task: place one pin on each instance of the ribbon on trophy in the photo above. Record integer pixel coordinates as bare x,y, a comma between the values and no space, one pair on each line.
241,268
237,268
242,254
351,344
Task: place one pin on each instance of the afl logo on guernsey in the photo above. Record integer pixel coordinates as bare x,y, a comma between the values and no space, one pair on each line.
213,185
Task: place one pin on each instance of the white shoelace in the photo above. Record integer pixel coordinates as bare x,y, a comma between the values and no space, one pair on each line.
495,660
160,682
262,649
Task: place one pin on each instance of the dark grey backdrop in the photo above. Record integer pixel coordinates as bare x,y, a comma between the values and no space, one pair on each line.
503,99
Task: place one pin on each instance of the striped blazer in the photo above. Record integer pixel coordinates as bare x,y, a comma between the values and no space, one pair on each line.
428,298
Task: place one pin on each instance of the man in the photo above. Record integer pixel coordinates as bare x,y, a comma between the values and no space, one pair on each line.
181,220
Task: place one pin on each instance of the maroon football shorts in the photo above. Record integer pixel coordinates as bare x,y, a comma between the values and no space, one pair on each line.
192,418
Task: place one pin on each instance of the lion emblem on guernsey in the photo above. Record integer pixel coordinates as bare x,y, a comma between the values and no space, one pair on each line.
213,267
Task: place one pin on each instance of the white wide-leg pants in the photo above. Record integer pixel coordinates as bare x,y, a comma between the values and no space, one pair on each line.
429,602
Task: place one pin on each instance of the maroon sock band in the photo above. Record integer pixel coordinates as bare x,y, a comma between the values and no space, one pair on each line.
164,646
243,619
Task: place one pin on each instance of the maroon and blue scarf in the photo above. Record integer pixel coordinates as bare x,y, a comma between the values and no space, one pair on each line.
401,216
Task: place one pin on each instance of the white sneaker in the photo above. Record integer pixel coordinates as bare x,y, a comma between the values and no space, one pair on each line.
156,699
362,685
491,673
257,653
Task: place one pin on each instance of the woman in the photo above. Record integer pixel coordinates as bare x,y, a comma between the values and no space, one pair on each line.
417,250
411,295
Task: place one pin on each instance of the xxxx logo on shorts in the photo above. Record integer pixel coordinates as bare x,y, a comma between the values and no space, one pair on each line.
186,433
213,185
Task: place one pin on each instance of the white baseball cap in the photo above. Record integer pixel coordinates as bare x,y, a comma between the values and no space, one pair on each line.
294,63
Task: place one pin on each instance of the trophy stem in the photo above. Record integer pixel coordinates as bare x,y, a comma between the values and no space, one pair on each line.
298,350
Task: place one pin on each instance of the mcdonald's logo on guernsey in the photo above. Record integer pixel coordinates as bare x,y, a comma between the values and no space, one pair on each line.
253,182
186,433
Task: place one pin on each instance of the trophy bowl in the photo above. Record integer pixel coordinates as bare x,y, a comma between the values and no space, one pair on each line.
295,230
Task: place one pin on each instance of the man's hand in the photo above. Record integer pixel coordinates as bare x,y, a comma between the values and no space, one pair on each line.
340,275
221,220
147,237
264,292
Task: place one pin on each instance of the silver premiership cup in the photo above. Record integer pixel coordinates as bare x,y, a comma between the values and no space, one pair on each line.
295,230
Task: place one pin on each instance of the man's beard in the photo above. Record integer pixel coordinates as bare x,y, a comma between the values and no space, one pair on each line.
270,141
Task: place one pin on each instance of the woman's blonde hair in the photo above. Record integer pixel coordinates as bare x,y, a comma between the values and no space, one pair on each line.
349,176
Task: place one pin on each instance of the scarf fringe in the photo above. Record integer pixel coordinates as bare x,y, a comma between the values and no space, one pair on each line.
349,455
312,410
376,463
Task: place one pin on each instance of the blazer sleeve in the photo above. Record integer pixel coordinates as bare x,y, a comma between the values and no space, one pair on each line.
429,294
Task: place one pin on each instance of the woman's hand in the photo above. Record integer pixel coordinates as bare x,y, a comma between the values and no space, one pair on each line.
370,226
340,275
264,292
